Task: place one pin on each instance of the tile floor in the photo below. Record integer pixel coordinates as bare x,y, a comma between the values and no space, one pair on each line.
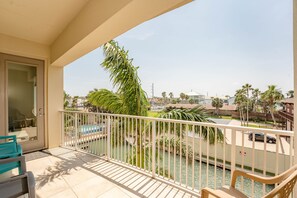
65,173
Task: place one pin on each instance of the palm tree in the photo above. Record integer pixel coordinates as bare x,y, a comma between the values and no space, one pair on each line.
240,99
74,102
187,97
197,114
129,98
164,96
290,94
66,99
247,88
182,96
255,98
217,103
271,96
88,105
171,95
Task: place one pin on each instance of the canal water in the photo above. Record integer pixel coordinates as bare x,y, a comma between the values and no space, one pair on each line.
166,161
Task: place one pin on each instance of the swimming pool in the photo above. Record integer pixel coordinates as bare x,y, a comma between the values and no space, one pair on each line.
91,128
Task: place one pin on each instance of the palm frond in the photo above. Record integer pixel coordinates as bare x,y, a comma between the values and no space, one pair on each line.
125,78
108,100
197,114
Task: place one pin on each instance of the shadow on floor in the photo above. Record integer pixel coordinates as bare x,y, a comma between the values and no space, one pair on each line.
135,182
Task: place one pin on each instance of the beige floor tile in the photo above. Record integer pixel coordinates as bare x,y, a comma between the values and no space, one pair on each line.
114,192
73,174
92,187
64,194
78,176
47,187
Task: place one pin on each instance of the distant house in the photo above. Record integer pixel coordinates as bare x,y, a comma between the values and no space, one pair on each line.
207,101
287,113
196,97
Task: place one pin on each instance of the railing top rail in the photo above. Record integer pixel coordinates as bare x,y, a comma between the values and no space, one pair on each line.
206,124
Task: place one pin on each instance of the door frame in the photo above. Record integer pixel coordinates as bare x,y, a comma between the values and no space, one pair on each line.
40,117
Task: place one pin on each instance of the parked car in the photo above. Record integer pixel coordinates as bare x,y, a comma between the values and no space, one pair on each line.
260,137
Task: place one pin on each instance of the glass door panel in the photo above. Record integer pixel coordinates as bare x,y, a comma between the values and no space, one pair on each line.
21,90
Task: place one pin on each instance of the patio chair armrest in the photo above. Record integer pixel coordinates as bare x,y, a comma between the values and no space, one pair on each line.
20,159
264,180
11,155
13,137
205,192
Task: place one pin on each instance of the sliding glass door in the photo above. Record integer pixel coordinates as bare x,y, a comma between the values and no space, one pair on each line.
22,94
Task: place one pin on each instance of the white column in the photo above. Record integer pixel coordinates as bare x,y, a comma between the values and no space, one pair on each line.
295,75
55,97
295,80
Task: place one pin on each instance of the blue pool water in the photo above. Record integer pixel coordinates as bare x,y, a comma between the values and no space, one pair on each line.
88,129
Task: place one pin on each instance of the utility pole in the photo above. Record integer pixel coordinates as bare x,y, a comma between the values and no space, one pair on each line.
153,90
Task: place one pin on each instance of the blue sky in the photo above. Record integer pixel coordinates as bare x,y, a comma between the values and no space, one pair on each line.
208,46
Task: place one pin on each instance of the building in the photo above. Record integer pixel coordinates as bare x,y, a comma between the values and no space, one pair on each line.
196,97
287,113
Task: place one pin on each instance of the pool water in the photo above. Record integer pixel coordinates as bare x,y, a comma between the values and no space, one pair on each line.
88,129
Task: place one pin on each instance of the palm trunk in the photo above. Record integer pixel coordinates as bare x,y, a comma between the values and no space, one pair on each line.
243,118
272,115
240,117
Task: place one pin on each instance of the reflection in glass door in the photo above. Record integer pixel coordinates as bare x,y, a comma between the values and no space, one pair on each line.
21,89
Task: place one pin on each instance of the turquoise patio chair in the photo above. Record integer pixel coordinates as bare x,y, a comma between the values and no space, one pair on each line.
9,148
20,184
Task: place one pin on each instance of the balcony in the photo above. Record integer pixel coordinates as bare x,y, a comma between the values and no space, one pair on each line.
105,154
67,173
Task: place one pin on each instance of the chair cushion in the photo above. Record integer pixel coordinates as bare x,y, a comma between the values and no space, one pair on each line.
229,192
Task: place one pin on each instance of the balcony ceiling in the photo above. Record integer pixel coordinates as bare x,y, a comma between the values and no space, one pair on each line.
72,28
40,21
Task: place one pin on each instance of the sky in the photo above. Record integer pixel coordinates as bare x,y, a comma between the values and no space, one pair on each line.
211,47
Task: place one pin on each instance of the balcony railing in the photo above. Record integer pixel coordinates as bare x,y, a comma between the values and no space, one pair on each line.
186,153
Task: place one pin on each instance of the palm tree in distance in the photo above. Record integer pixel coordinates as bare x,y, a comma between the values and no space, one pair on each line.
164,96
271,96
247,88
187,97
182,96
256,93
240,100
290,94
170,95
74,102
66,99
217,103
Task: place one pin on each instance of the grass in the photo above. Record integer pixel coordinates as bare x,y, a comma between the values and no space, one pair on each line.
222,117
254,125
153,114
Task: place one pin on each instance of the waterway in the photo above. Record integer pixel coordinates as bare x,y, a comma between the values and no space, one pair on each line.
184,170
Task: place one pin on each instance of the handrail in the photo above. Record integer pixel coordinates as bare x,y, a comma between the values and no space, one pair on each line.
206,124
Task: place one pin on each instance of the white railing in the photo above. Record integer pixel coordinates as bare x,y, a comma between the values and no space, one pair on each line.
183,152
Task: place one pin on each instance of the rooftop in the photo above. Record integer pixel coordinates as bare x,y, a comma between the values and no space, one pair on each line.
288,100
208,107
